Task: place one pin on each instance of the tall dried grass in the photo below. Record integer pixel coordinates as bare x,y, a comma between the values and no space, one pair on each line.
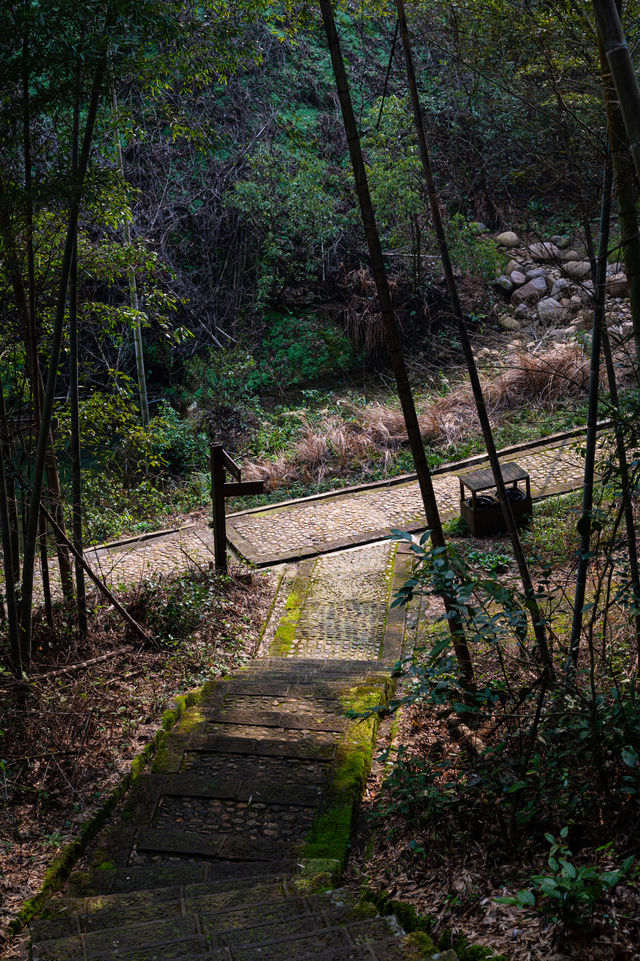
367,440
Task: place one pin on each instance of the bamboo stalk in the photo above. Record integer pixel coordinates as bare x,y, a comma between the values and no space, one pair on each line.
622,71
585,524
74,400
533,607
391,328
56,342
623,173
102,587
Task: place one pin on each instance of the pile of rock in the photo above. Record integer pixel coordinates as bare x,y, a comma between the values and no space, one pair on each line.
549,285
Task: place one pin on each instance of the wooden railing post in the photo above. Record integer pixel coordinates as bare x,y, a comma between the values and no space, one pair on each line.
221,462
217,499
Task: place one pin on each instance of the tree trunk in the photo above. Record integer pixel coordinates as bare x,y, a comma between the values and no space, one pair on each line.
622,71
537,618
390,323
599,270
30,330
56,341
133,286
10,489
44,571
8,541
76,455
625,483
625,194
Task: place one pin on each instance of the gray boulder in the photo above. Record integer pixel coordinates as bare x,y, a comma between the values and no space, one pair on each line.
577,269
511,266
502,285
507,322
522,312
568,255
518,278
561,287
560,241
550,311
617,285
508,239
533,291
544,253
534,272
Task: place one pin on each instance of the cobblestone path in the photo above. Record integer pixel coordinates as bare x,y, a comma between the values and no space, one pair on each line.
229,846
328,522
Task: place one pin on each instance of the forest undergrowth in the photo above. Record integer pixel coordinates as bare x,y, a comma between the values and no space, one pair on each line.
507,814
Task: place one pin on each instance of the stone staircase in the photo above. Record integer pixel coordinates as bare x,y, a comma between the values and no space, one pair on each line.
228,848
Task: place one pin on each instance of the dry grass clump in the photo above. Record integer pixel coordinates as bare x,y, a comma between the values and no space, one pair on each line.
372,433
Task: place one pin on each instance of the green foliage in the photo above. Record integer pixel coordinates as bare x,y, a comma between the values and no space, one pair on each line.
395,174
568,894
183,605
412,789
298,348
471,251
219,377
288,200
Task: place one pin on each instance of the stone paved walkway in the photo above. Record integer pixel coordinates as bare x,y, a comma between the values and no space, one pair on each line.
329,522
228,847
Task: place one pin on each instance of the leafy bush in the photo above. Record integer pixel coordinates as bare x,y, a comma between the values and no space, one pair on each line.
298,348
471,251
566,893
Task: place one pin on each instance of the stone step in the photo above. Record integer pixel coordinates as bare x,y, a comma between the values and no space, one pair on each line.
385,949
221,874
252,923
302,748
275,719
77,949
303,772
70,916
244,791
307,945
126,942
215,845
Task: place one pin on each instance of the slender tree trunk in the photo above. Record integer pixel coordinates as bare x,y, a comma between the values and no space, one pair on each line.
599,270
9,583
625,484
44,571
391,325
10,488
76,456
133,286
56,341
625,194
30,328
8,547
537,618
622,71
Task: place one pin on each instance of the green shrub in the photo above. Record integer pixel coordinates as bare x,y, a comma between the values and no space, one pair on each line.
299,348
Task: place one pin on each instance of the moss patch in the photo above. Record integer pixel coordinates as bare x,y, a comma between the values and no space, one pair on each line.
418,946
286,631
331,833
